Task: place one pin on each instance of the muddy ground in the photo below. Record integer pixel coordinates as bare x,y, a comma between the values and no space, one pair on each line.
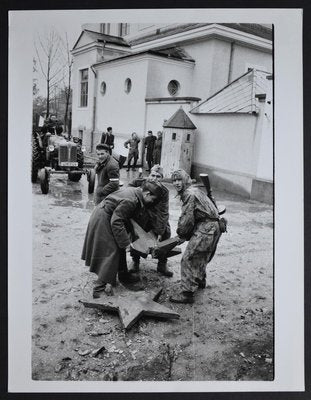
226,335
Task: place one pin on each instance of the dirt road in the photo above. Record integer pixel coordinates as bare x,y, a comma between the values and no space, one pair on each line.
226,335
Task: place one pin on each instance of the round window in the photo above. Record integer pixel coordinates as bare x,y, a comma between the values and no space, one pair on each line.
127,85
173,87
103,88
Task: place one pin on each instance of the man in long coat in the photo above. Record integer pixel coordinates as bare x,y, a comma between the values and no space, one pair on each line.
157,149
149,145
156,218
107,234
107,170
108,139
199,224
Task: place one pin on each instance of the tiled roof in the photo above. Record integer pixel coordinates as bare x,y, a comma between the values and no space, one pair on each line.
238,96
179,120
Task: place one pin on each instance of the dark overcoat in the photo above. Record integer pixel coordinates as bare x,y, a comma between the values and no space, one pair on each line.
108,139
149,144
107,179
107,233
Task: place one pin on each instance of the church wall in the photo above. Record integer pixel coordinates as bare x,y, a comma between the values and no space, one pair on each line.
161,72
212,62
124,112
224,149
245,56
82,116
202,53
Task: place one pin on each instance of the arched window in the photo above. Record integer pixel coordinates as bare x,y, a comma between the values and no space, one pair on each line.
103,88
173,87
127,85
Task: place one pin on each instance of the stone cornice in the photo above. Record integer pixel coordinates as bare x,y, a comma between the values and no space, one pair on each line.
209,31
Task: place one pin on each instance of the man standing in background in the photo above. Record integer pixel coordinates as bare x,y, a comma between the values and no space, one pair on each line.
108,139
157,149
133,150
149,144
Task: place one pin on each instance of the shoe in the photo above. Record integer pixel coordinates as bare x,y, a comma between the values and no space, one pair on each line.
134,267
201,283
126,277
163,269
183,298
98,290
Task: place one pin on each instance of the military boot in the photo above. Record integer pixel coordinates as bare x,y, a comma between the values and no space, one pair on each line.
163,269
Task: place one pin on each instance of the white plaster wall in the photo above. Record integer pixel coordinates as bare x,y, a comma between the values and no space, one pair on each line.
82,116
242,56
264,167
212,58
162,71
225,142
124,112
202,53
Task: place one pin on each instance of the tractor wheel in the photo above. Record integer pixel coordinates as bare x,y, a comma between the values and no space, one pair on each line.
91,179
37,161
44,180
74,177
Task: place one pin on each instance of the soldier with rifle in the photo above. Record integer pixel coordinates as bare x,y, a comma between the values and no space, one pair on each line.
200,225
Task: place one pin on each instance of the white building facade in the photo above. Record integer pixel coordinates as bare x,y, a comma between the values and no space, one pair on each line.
133,77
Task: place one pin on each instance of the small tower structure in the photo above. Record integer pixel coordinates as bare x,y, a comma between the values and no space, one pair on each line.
178,143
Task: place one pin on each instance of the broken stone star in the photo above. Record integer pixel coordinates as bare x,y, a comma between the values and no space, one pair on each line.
133,305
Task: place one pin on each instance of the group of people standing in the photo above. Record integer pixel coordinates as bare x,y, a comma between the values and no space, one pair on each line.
152,145
146,200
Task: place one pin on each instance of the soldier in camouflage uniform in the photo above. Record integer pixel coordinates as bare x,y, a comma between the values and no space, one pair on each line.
198,224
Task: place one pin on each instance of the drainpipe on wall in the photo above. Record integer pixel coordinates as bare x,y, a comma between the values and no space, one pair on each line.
94,108
231,62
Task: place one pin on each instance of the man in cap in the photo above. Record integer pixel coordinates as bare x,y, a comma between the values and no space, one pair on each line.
107,170
199,224
155,218
108,236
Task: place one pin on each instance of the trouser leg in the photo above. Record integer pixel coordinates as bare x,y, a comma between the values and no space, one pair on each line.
135,160
192,270
129,159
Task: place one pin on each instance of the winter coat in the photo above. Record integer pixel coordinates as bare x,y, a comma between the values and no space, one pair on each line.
108,232
108,179
108,139
149,144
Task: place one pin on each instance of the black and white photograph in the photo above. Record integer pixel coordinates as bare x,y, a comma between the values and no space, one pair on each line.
151,178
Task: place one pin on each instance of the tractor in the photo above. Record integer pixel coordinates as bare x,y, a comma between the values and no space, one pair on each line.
53,153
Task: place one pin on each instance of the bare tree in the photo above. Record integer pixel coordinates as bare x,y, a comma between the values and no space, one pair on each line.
67,87
49,56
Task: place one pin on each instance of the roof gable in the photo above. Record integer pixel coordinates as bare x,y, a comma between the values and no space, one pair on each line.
88,36
179,120
238,96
